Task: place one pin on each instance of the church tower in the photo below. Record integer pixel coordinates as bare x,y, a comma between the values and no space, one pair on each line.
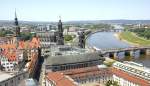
17,31
81,43
17,37
60,37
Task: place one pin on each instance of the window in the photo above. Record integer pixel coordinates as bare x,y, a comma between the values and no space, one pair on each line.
11,81
6,84
24,76
18,78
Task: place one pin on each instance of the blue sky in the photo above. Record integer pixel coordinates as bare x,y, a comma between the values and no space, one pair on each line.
49,10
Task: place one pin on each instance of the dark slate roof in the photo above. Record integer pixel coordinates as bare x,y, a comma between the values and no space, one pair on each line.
55,60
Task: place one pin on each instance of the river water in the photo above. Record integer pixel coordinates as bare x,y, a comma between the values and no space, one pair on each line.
107,40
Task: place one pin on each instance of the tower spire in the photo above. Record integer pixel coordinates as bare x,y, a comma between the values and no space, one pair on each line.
17,25
16,19
59,17
15,14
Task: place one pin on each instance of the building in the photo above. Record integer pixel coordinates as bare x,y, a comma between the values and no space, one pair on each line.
3,40
51,38
81,39
15,53
134,69
6,64
131,74
95,75
47,39
80,77
66,50
59,79
59,62
60,37
12,54
12,79
17,31
33,64
127,79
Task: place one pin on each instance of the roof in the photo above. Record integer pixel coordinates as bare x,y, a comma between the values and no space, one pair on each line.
11,56
10,50
130,77
35,42
88,71
56,60
60,79
45,34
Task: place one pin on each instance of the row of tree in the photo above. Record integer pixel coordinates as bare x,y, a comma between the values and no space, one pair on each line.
23,35
98,26
3,33
92,26
142,32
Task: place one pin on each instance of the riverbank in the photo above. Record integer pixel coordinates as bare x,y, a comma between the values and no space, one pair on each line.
132,39
117,35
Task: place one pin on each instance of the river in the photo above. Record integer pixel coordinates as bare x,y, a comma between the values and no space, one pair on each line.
107,40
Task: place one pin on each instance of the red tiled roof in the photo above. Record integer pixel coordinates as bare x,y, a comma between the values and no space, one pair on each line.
94,71
87,71
35,42
59,79
130,77
9,50
21,45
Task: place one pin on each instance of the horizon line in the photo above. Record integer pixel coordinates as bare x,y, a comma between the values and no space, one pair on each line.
78,20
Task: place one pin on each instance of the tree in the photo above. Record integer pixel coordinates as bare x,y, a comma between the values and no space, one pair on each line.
3,32
142,32
26,36
111,83
68,37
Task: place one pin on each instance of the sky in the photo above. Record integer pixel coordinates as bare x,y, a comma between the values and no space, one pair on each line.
69,10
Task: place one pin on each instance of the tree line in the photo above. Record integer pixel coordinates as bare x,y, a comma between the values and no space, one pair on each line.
142,32
23,35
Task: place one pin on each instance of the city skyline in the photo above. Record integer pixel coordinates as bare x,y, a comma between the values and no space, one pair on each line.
50,10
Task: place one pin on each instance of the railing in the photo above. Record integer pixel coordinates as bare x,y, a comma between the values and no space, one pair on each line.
137,72
123,49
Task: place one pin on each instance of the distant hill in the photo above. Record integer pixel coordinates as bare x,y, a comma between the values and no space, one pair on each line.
114,21
5,22
10,22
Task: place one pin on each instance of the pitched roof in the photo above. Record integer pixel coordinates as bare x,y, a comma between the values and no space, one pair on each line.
35,42
130,77
9,50
88,71
60,79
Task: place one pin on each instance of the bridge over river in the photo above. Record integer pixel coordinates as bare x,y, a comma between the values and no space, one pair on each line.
131,51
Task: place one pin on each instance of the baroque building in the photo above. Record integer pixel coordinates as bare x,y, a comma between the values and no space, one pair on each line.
81,39
60,37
